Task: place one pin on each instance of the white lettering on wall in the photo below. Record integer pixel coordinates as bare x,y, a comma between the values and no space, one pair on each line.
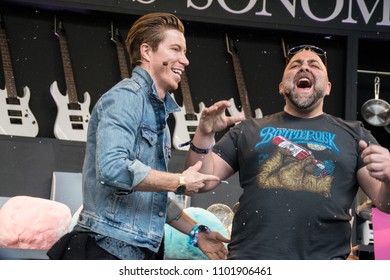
292,5
222,3
264,12
386,14
367,14
349,19
250,5
190,4
363,8
144,1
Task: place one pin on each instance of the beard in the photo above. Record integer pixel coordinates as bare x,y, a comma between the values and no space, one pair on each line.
304,102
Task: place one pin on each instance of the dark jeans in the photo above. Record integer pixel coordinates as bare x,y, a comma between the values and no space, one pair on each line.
82,246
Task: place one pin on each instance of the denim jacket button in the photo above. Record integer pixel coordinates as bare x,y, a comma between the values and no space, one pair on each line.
161,213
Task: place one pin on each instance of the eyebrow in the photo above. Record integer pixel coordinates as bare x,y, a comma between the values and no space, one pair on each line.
311,60
178,46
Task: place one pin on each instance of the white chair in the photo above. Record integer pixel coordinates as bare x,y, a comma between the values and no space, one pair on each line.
66,188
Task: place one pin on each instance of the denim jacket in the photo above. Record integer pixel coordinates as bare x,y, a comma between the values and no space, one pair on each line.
128,136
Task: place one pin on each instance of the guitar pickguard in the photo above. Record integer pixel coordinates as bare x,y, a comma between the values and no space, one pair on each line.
16,117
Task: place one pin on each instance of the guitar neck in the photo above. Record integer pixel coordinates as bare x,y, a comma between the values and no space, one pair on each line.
68,72
7,65
124,70
241,86
120,51
185,90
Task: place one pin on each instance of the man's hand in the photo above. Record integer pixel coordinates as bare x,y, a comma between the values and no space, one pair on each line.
214,119
212,245
195,180
377,160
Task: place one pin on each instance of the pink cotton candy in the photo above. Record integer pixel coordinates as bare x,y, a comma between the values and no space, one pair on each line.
33,223
381,230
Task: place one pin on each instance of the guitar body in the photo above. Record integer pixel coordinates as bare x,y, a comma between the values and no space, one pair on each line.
233,111
185,126
17,119
71,123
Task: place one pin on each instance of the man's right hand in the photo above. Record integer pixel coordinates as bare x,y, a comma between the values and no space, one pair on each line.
214,119
195,180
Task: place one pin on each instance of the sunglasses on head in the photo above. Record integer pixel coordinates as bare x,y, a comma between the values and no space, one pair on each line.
294,50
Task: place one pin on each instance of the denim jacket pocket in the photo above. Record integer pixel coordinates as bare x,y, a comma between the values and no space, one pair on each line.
147,146
149,135
119,198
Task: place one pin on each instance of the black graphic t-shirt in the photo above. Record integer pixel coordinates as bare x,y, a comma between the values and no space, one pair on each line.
299,181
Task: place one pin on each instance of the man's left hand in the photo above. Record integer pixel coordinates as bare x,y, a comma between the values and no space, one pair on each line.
212,245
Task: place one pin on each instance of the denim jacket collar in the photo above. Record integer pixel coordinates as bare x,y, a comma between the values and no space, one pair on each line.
170,104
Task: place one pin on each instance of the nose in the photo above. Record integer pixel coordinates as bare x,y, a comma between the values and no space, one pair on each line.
305,68
184,60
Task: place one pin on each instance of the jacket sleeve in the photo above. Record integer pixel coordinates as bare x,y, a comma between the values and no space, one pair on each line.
174,212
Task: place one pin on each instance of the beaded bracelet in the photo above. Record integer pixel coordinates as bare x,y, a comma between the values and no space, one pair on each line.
196,149
194,234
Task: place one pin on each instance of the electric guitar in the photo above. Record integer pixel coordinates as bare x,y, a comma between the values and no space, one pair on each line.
187,120
117,39
72,116
16,117
246,108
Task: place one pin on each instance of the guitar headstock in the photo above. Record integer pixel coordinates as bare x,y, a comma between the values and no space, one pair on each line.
59,30
231,47
115,34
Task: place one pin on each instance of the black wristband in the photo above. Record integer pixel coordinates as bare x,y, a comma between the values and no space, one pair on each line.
196,149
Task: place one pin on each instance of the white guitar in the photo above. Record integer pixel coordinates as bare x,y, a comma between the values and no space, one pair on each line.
117,39
72,116
187,120
246,108
16,117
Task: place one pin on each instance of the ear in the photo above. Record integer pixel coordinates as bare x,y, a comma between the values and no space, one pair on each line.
329,88
281,88
144,51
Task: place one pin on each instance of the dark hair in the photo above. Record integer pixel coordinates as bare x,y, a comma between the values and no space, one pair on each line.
150,29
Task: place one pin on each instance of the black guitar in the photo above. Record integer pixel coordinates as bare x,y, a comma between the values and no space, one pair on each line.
120,50
246,107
